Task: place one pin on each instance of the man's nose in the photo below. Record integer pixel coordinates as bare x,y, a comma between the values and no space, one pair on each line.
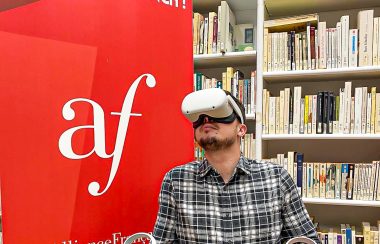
206,119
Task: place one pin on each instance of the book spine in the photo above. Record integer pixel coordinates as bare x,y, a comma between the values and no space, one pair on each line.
299,158
364,109
205,36
325,112
302,116
328,47
339,44
365,26
314,116
377,114
320,106
350,181
345,20
369,109
215,35
344,181
373,109
266,32
347,106
341,110
358,112
292,50
338,180
286,110
322,180
308,45
330,112
316,176
290,112
297,110
353,48
282,109
312,47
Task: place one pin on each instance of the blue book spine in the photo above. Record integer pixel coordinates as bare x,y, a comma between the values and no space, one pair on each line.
299,160
348,236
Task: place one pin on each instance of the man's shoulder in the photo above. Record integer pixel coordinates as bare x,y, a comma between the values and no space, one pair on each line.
187,170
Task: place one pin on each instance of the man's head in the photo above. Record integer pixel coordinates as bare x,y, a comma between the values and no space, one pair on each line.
218,118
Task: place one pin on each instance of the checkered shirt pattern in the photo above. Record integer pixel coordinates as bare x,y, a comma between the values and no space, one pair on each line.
260,204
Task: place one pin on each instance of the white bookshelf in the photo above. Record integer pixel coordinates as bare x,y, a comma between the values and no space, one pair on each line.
296,7
368,72
213,65
320,147
246,58
321,137
338,202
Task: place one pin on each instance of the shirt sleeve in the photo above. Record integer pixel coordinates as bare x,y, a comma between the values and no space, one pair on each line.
295,218
165,227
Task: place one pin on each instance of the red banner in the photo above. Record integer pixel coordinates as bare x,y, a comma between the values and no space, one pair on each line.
90,95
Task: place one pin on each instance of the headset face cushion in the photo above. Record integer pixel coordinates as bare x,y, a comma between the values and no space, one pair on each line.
226,120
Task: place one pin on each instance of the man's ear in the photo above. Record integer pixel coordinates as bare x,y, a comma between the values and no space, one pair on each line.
242,130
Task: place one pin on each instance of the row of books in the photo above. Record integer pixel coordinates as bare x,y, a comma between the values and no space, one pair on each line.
352,181
305,43
247,148
348,234
233,81
324,113
218,32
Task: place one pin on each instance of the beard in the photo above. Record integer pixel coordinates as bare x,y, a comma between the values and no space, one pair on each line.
214,144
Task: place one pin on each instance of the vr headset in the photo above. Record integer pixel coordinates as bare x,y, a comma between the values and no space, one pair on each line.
213,103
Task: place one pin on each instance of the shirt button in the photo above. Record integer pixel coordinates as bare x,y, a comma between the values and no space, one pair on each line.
227,215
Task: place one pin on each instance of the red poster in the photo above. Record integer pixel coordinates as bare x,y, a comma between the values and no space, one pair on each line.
90,95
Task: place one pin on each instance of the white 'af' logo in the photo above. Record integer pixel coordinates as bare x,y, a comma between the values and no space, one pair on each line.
65,141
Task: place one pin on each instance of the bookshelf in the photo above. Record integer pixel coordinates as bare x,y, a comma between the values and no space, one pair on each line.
212,65
366,72
320,147
357,203
316,147
244,58
321,137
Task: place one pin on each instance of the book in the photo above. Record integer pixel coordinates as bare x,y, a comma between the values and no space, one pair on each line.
210,36
365,26
345,20
344,183
299,159
353,48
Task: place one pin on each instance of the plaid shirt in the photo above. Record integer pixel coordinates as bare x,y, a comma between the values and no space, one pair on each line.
260,204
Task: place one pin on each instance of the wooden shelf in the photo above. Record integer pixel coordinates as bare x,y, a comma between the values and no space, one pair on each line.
211,5
341,202
366,72
277,8
247,58
321,137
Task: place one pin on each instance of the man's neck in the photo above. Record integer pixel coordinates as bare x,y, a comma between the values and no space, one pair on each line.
224,161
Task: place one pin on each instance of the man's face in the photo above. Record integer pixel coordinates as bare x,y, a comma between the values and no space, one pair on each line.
214,136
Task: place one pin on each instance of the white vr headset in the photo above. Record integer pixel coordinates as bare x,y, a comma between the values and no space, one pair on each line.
213,102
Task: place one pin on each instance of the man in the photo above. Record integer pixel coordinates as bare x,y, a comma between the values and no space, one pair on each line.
227,198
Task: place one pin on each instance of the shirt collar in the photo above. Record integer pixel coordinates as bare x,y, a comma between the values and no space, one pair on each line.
243,165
